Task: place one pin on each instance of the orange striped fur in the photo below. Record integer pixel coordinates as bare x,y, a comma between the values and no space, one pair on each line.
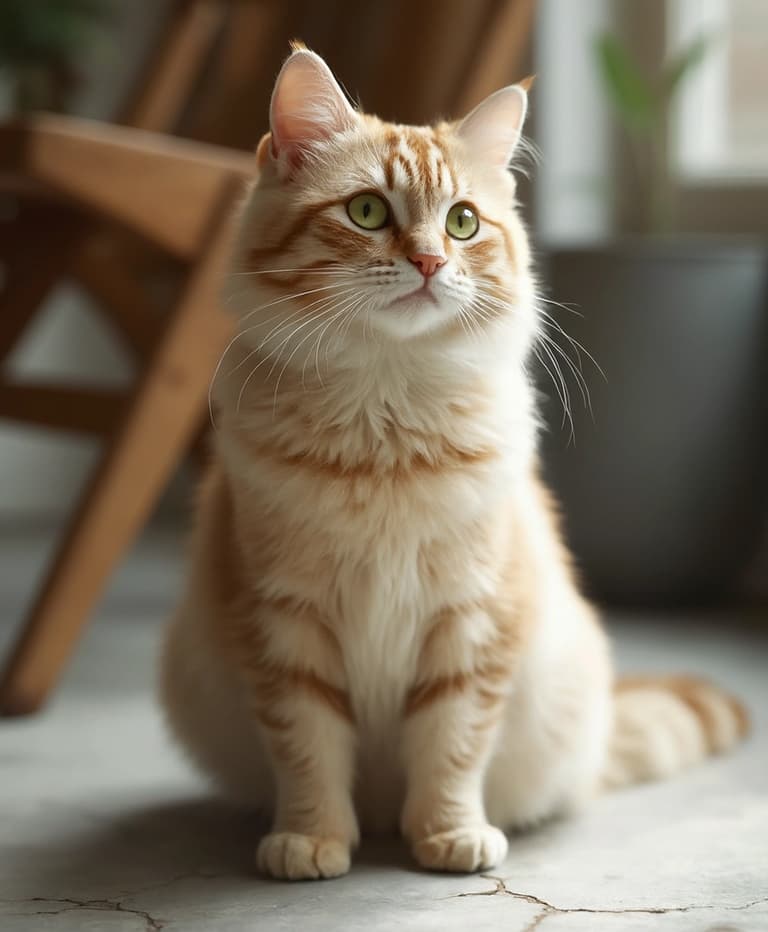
381,626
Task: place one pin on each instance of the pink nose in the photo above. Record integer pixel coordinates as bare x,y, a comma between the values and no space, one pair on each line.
427,265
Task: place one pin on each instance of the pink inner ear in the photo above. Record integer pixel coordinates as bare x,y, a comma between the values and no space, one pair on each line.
308,107
493,128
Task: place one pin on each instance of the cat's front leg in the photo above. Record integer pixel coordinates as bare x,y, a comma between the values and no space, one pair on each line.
451,718
298,692
314,828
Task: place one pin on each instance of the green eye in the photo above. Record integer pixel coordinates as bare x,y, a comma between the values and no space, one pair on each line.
461,222
368,211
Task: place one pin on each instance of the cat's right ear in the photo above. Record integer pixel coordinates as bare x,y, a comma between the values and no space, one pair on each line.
308,107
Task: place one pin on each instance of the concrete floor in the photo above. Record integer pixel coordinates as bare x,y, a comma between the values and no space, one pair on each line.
103,827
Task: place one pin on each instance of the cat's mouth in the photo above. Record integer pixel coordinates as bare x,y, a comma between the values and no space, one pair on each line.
424,293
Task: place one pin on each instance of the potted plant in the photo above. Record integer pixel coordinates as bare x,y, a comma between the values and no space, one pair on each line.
40,45
662,486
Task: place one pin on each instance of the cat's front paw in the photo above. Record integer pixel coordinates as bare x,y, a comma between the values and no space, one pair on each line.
290,856
465,849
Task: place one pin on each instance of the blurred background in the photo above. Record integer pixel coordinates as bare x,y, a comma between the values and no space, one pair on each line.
646,194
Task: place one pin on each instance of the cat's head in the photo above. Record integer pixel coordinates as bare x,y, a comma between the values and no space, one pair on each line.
356,226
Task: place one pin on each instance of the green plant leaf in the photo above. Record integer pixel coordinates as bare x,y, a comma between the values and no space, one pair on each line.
632,95
685,61
45,31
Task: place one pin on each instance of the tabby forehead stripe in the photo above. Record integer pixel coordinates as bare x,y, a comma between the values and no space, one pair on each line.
391,142
446,161
440,169
403,162
421,150
389,172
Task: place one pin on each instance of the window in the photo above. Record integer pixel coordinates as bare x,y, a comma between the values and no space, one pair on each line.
722,117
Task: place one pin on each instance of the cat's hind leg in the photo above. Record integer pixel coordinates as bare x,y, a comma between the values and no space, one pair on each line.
207,712
551,750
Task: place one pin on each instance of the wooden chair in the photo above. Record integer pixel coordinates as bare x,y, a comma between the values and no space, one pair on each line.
66,242
101,203
118,175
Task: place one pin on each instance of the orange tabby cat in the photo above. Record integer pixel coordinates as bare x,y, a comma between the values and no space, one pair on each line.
381,625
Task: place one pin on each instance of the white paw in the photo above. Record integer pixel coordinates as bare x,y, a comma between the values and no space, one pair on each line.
289,856
465,849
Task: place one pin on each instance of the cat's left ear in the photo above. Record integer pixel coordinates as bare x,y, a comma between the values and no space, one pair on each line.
493,128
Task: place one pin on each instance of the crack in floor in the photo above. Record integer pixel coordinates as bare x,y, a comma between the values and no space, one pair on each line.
117,905
150,923
200,874
549,909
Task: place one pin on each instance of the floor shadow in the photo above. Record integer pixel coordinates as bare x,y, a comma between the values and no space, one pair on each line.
143,848
155,846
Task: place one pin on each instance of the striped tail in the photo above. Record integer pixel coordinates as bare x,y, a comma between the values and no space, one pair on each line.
664,724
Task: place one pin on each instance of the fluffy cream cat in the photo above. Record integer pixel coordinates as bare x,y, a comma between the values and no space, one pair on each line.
381,626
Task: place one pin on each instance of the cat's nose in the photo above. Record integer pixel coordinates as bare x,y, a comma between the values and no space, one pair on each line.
427,264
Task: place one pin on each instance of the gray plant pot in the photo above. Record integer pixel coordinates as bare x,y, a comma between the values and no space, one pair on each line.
664,492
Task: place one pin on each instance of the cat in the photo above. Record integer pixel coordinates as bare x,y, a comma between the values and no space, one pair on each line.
381,625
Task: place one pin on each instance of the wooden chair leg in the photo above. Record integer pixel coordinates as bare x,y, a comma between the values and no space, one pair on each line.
158,425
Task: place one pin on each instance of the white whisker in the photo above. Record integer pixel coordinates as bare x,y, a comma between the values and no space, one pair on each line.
278,350
579,378
330,269
292,297
285,322
562,391
319,340
293,353
566,307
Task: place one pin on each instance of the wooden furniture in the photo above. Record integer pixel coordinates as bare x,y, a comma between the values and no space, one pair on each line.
120,175
103,203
